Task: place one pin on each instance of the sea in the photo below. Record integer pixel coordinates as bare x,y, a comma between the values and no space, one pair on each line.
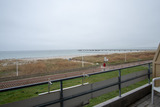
52,53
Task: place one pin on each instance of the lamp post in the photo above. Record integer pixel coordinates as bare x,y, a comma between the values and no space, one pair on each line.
17,68
82,61
105,62
125,56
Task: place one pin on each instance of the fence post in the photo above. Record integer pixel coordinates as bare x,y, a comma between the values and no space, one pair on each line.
119,85
149,66
61,93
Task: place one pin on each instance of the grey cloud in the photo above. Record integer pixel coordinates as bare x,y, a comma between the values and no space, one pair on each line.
74,24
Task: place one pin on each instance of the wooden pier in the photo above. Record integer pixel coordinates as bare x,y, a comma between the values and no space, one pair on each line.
116,49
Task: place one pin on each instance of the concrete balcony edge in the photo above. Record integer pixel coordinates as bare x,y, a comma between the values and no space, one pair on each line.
127,98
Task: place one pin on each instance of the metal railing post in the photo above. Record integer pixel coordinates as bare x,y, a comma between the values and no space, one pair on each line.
83,77
61,93
149,67
119,80
49,85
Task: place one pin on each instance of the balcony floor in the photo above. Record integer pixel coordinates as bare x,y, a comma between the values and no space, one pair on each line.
146,101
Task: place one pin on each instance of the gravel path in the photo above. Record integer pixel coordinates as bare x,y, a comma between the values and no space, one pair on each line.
26,81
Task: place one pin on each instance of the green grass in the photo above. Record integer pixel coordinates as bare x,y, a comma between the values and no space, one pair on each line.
104,97
25,93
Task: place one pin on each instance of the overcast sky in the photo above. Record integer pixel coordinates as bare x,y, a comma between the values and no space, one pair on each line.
78,24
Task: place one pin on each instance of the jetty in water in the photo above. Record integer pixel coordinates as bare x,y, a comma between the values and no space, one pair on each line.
117,50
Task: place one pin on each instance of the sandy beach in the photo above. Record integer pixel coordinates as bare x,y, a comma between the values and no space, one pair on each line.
68,56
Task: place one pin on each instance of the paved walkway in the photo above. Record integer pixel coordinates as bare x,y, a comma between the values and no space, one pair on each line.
146,101
26,81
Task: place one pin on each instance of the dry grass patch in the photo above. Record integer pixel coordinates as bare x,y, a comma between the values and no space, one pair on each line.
8,69
119,57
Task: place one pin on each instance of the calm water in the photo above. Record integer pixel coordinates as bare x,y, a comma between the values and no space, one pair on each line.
48,53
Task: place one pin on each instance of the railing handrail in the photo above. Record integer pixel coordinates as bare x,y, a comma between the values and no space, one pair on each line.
87,92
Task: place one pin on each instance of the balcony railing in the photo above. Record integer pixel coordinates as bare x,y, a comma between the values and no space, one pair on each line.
61,81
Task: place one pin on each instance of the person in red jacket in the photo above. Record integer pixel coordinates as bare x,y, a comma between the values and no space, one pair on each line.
104,65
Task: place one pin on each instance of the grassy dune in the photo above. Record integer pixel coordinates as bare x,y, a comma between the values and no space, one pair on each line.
38,67
118,58
54,66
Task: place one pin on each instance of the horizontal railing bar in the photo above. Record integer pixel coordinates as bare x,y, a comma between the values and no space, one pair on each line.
134,78
77,95
87,92
68,78
99,72
117,69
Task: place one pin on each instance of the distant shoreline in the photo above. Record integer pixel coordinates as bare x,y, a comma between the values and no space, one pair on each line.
63,55
67,57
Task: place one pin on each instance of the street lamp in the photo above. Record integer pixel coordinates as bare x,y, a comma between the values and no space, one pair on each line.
105,62
17,68
82,61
